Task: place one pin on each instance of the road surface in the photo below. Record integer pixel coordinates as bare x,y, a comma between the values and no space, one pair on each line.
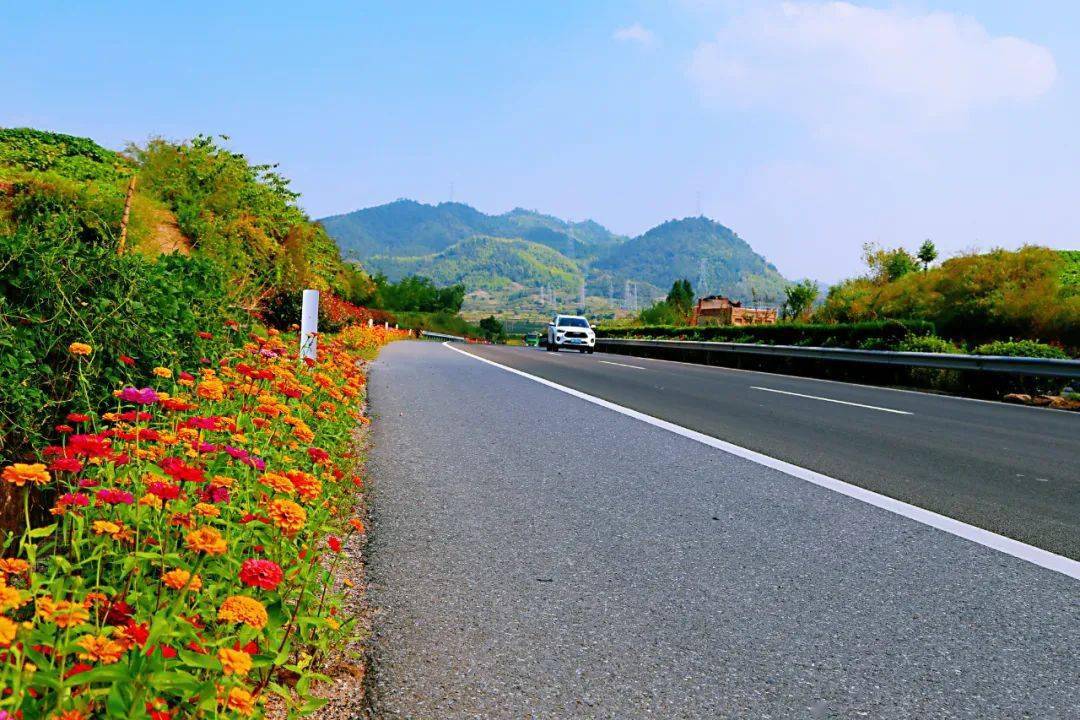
538,556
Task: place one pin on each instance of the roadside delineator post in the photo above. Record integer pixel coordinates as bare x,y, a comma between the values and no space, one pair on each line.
309,324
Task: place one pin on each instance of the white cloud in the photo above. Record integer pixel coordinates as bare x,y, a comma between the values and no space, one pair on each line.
847,69
636,33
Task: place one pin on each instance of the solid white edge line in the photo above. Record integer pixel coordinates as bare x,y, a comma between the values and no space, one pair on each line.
831,400
1008,546
609,362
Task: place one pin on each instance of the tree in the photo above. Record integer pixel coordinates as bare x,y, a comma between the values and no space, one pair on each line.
681,296
800,297
927,253
888,265
493,329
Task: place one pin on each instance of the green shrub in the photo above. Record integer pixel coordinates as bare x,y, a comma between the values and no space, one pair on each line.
885,334
928,344
63,282
1021,348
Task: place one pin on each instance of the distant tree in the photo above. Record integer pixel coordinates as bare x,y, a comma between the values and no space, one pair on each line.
681,296
416,293
799,299
927,253
493,329
887,265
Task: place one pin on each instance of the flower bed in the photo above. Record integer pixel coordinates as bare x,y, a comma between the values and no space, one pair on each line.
197,526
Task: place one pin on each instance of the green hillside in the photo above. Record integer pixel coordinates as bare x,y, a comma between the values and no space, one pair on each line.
711,256
489,263
406,237
408,228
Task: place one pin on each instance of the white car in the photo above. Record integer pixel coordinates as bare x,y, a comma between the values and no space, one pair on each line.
570,331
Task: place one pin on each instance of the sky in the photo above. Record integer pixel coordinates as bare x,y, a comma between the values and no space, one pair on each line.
809,128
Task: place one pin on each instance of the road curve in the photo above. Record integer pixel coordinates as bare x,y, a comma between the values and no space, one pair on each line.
538,556
1009,469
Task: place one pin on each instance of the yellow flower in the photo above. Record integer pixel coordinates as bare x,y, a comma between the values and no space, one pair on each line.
10,598
207,540
163,372
243,609
104,527
234,662
21,473
7,631
80,349
211,389
149,500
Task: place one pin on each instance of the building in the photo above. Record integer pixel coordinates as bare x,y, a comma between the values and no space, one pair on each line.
719,310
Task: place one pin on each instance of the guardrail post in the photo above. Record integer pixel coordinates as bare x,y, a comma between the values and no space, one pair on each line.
309,324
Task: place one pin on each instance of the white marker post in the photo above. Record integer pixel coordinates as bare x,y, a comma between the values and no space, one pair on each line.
309,324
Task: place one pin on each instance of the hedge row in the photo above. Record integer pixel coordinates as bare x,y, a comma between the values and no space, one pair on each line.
867,335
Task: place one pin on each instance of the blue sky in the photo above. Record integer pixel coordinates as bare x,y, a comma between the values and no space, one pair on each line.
807,127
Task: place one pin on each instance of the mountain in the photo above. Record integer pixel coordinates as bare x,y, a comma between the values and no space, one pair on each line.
510,257
492,264
409,228
711,256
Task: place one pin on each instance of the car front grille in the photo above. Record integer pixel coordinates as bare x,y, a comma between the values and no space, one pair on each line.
573,334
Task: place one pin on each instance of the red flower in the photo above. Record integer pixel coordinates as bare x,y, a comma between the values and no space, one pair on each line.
265,574
127,360
73,465
77,418
334,543
205,335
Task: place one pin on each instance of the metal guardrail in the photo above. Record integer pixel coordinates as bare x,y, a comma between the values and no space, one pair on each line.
441,336
985,363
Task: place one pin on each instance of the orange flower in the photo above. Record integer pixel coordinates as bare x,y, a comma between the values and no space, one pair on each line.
105,527
243,609
241,701
178,579
7,631
207,540
80,349
211,389
99,648
234,662
63,613
20,473
358,525
280,483
13,566
207,510
287,515
10,598
163,372
309,486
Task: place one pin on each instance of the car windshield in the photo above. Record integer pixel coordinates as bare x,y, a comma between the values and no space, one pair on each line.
573,322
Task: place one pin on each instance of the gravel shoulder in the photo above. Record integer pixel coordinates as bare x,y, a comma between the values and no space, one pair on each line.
662,578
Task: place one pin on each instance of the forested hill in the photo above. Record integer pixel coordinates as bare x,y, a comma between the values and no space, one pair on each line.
453,242
409,228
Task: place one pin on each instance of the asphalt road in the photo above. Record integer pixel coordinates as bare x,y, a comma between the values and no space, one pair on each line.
1010,469
537,556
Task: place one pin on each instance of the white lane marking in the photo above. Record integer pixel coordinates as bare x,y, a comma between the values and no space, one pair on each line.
825,399
1015,548
608,362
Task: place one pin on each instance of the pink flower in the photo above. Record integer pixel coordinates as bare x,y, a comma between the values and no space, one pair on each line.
146,396
265,574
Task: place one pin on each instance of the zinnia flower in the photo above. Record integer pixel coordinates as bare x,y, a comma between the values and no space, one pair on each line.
163,372
80,349
21,473
334,543
146,396
7,631
265,574
99,648
287,516
241,701
234,662
243,609
179,579
206,540
63,613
